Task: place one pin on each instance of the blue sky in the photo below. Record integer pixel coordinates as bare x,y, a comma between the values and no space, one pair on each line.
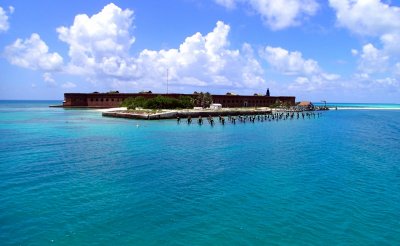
334,50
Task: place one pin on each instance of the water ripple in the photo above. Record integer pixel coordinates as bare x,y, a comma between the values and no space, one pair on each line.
71,177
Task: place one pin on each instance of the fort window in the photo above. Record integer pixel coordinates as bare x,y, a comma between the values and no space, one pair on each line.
102,99
107,100
112,99
91,99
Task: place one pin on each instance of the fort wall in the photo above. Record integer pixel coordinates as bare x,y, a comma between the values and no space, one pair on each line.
112,100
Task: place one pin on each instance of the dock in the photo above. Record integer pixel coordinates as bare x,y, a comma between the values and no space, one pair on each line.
185,113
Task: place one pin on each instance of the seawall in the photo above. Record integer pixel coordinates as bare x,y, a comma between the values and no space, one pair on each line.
185,114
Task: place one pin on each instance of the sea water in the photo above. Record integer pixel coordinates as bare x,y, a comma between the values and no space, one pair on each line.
366,106
73,177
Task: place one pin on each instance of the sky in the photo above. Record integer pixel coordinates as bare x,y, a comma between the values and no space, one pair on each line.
333,50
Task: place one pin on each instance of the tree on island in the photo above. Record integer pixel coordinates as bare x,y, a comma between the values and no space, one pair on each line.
159,102
203,99
279,104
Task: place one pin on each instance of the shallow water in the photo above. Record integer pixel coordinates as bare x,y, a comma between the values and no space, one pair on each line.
358,106
72,177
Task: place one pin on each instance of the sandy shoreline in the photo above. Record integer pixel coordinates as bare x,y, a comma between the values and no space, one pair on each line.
112,109
356,108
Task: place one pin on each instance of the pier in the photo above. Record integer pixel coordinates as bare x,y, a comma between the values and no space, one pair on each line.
172,114
242,119
224,116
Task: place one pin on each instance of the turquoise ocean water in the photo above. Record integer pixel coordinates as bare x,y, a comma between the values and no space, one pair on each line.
361,106
71,177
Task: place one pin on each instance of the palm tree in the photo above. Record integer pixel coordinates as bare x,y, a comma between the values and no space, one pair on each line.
207,100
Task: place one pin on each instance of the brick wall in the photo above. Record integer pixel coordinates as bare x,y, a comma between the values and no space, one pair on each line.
111,100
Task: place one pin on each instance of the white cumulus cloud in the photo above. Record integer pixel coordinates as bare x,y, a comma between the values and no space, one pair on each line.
373,60
100,44
33,53
290,63
4,24
371,17
99,48
277,14
204,60
309,74
376,19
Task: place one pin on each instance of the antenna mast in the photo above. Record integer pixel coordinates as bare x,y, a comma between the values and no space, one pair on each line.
167,79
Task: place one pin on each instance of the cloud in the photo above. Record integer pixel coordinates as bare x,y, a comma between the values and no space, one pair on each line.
100,44
4,25
289,63
371,17
229,4
204,60
376,19
397,69
68,85
389,82
49,80
391,42
99,48
366,82
372,60
309,74
33,53
277,14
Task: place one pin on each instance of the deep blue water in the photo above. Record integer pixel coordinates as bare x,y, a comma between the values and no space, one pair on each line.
71,177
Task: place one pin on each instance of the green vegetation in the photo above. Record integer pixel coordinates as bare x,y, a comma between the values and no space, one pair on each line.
159,102
202,99
280,104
